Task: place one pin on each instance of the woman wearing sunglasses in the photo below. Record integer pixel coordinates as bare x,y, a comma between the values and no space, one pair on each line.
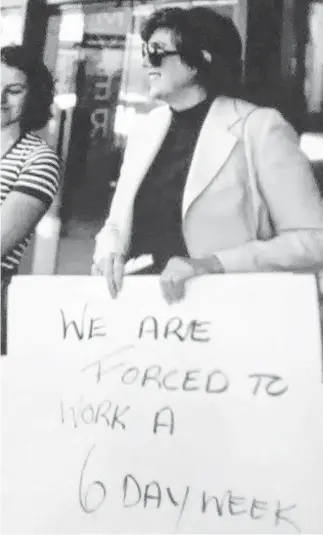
209,183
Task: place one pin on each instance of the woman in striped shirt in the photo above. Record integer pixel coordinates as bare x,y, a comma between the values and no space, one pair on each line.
29,167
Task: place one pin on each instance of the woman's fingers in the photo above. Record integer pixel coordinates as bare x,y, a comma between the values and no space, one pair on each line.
173,290
174,277
112,268
165,286
172,280
118,272
178,290
95,270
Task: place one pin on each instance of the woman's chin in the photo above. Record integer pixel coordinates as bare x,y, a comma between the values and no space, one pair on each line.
153,95
156,94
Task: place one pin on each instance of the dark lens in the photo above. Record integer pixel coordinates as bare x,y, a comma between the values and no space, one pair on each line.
155,55
155,58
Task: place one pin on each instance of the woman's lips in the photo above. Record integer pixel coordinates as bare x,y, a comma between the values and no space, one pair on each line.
153,75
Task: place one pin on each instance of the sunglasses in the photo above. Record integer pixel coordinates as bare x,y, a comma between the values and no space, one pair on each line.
156,54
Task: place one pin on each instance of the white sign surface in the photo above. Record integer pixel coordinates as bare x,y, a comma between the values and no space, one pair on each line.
50,312
204,417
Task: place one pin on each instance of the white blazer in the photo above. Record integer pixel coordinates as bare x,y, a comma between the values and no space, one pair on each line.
274,224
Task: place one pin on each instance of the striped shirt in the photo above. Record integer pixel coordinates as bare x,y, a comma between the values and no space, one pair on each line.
29,167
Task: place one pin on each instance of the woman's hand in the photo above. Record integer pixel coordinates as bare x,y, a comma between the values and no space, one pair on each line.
178,270
112,268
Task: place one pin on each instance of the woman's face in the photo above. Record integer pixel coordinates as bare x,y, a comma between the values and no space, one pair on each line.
13,94
173,76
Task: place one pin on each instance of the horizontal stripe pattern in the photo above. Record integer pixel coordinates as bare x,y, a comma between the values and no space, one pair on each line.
30,167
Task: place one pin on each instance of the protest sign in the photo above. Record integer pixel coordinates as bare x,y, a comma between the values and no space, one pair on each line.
271,310
203,417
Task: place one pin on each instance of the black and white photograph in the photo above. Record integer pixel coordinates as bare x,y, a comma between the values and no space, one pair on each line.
161,267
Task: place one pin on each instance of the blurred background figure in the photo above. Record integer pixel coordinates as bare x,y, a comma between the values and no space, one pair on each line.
186,200
29,167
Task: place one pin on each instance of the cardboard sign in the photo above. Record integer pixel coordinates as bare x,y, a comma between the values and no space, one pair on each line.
204,417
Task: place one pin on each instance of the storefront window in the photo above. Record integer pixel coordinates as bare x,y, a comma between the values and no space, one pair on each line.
312,140
88,73
314,59
11,26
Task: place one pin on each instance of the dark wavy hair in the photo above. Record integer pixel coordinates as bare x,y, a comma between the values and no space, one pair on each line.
40,94
200,30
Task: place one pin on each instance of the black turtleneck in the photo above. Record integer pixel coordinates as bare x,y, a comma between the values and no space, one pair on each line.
157,222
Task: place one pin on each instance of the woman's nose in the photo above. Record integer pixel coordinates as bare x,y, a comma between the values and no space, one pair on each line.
145,61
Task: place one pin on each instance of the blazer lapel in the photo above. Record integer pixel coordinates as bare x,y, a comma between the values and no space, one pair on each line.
213,148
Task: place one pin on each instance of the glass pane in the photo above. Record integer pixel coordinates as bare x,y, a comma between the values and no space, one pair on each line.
312,141
88,74
11,25
314,59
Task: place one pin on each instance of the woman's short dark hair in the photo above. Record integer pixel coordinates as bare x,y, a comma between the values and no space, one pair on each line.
205,40
37,109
